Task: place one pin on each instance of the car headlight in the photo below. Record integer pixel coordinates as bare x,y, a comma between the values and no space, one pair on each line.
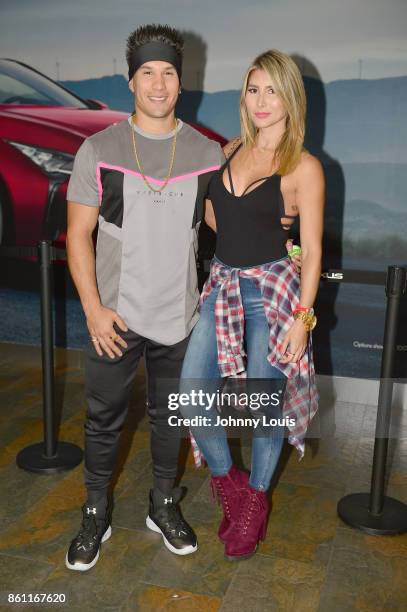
52,162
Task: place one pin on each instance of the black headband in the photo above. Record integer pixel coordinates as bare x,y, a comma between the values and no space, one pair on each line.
155,51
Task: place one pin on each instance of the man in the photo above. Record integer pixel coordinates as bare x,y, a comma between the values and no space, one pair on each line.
144,180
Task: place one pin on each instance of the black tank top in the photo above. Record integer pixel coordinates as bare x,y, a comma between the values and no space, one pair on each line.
249,230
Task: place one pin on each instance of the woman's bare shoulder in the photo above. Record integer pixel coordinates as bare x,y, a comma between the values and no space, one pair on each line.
231,146
309,165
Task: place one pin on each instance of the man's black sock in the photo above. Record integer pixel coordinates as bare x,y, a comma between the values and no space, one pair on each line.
165,485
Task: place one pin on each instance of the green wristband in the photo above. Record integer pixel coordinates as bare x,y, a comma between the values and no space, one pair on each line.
296,250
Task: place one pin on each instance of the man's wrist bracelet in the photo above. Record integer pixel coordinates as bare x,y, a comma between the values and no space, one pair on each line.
295,251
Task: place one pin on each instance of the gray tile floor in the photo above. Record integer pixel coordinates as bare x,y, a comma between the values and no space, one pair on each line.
309,562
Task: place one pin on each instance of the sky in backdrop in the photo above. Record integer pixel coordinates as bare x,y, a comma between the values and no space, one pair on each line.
335,39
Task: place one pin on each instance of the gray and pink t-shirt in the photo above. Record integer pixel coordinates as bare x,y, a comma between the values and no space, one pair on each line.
147,242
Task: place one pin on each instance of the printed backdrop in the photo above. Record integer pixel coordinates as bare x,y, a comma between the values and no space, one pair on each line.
353,57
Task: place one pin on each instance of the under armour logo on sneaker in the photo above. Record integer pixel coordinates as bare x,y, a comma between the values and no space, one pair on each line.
91,510
167,500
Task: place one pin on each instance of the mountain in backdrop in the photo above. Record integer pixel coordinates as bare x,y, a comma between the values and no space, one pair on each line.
353,120
357,128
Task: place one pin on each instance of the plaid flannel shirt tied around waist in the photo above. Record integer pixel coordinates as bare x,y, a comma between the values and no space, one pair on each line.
279,285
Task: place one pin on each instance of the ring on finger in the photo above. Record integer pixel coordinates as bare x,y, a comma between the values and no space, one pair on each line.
94,339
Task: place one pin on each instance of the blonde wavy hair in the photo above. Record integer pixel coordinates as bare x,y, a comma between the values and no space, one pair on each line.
289,86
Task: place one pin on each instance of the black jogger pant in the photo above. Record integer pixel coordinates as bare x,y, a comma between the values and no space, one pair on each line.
108,384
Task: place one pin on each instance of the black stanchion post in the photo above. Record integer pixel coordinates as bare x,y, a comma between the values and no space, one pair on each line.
374,512
47,348
395,288
49,456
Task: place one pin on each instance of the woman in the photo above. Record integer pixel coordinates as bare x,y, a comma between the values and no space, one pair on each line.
256,314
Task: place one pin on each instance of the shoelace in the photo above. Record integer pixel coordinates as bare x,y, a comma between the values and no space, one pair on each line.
250,503
218,493
175,523
88,532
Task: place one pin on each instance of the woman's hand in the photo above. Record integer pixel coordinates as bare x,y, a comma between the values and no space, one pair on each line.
294,344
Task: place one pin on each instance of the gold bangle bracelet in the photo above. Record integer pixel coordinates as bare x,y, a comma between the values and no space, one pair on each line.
308,319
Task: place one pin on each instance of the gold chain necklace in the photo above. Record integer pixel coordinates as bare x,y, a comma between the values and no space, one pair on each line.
174,144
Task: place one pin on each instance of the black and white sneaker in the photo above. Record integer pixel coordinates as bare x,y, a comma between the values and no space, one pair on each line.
165,517
83,552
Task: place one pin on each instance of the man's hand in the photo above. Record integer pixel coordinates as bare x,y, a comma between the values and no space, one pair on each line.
296,259
103,335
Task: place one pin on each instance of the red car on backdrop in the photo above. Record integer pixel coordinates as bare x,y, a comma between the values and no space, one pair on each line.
42,125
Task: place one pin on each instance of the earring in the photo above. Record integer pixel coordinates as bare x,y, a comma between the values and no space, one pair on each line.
179,90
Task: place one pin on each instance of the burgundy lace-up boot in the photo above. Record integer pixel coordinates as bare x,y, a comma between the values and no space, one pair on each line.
228,489
249,527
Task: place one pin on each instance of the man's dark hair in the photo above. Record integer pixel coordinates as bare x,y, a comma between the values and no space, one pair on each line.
154,33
